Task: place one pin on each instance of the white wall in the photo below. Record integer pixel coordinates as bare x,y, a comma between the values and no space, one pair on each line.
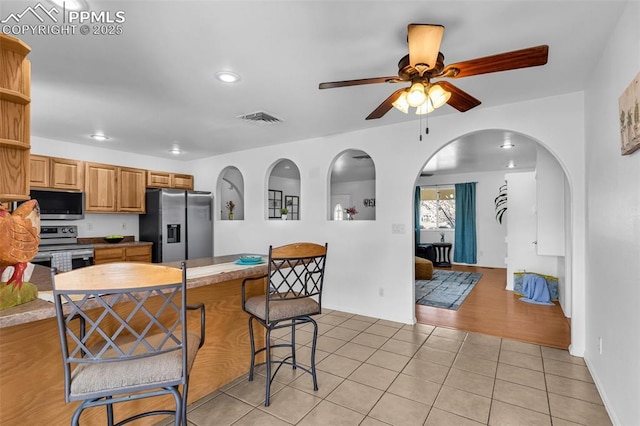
366,256
550,196
101,224
521,229
613,228
490,234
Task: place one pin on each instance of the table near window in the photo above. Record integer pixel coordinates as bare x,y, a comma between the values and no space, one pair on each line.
443,255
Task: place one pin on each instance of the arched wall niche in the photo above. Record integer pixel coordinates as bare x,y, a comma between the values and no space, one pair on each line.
352,185
231,192
282,195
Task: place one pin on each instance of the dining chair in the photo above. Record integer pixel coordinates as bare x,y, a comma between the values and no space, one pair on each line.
123,333
293,293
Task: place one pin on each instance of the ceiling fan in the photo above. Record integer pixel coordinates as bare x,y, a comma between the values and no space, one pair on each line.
425,62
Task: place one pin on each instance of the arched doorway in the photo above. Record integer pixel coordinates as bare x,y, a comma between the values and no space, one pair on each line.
539,194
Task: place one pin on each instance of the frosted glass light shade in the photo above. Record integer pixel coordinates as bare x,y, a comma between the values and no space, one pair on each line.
425,108
401,103
416,95
438,96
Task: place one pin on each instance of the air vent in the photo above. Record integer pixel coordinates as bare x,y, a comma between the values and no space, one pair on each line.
362,157
260,117
425,174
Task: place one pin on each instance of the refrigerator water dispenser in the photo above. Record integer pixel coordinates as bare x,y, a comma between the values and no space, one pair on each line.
173,233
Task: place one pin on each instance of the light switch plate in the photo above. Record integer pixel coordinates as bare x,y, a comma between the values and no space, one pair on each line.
397,228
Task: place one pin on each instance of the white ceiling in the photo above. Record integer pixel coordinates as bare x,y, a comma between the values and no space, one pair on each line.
153,86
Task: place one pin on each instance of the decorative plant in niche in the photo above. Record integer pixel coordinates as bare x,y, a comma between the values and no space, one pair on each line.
230,206
501,203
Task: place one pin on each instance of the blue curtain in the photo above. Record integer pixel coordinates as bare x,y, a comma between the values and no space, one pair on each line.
416,214
465,247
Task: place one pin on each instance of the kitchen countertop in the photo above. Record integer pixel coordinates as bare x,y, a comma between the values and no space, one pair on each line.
99,242
200,272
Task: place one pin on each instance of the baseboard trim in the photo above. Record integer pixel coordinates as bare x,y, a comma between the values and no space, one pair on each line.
605,400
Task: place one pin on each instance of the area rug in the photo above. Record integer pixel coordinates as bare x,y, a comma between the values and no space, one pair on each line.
447,289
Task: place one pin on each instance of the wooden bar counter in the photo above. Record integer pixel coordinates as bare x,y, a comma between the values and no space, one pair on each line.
31,376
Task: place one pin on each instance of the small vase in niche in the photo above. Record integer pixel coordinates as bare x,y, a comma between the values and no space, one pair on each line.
230,215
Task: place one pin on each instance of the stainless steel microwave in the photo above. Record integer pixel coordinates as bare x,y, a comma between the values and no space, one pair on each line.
59,205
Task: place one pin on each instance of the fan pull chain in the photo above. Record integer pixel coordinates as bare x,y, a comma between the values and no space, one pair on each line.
426,130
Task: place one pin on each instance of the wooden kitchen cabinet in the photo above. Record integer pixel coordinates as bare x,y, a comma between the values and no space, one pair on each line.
15,113
40,171
67,174
157,179
179,181
131,190
113,189
137,253
56,173
100,186
131,253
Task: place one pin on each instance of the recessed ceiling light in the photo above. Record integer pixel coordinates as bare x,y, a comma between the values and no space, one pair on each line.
100,137
70,4
175,150
507,145
227,76
511,165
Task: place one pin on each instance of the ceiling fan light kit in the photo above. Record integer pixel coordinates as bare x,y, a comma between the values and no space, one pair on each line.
416,95
425,62
424,102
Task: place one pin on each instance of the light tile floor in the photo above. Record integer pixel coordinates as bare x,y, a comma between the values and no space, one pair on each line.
377,372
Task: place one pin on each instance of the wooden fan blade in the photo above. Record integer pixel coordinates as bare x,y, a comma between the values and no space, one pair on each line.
386,105
460,100
525,58
345,83
424,44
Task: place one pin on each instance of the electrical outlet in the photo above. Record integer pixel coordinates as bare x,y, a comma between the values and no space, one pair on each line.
89,226
381,292
124,225
600,345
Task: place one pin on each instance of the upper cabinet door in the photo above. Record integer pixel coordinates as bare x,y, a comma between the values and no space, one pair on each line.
67,174
39,171
100,183
179,181
131,190
158,179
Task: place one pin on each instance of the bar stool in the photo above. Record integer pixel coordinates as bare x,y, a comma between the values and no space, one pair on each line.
294,293
123,332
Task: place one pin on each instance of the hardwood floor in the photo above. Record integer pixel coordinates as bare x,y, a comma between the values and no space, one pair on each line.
490,309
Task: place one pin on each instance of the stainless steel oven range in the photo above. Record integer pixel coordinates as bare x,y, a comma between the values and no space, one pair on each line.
59,244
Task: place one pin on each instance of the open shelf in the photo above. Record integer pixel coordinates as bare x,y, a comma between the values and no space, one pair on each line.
14,144
13,96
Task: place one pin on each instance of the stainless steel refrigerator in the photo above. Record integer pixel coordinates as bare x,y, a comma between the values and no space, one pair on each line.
178,223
